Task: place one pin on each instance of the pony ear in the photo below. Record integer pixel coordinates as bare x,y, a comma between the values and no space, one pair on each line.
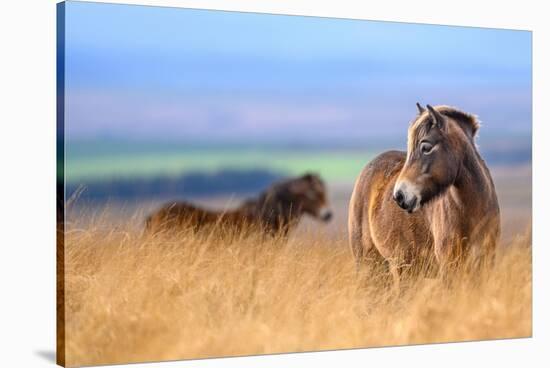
310,176
420,108
438,119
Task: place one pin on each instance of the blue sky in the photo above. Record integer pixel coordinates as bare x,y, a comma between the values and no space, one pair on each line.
168,73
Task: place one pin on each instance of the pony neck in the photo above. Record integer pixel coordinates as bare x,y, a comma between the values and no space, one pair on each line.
271,208
473,183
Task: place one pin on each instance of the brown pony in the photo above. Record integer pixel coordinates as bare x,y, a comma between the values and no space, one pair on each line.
277,210
437,200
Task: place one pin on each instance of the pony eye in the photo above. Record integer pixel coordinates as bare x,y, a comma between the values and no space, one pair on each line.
426,148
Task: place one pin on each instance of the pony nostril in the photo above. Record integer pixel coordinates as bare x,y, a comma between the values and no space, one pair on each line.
325,215
399,197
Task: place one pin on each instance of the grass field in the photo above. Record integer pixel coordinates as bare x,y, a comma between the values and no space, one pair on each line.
133,298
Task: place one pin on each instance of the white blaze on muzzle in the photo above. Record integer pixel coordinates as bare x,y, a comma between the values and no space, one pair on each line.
407,195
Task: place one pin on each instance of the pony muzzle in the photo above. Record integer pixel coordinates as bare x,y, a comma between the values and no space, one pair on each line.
325,214
407,196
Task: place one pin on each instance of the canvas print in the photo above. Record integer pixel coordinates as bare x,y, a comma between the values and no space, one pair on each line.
236,183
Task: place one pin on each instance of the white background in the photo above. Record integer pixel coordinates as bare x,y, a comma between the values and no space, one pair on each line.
27,180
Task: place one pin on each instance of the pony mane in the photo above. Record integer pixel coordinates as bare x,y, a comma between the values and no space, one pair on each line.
468,122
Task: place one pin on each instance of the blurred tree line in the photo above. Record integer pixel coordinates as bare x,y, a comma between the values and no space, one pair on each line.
189,184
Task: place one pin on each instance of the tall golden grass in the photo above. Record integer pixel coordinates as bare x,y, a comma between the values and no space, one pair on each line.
132,297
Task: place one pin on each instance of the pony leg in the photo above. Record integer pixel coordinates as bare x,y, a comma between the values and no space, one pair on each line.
356,246
396,276
449,256
365,254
